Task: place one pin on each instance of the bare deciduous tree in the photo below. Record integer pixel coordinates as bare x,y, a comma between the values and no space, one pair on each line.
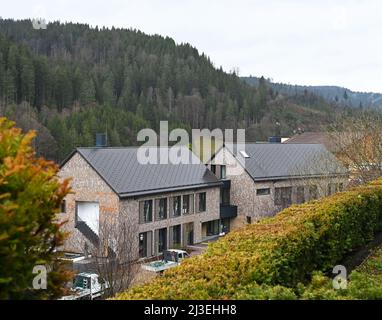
358,145
112,253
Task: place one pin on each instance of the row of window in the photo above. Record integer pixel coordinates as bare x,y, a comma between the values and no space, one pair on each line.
283,195
173,206
171,236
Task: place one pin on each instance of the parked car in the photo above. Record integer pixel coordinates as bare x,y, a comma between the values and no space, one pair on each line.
171,258
86,286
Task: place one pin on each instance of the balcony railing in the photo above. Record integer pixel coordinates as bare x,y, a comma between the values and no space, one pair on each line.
228,211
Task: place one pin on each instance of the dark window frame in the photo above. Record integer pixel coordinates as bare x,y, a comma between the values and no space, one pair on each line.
178,212
263,191
143,214
300,194
202,208
223,169
161,214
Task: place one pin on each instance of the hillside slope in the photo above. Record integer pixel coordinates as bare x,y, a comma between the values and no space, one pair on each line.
71,81
335,94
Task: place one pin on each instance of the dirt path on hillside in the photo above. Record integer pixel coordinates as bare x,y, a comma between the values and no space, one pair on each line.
355,258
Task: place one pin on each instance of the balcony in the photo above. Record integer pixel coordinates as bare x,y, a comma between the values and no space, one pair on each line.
226,184
228,211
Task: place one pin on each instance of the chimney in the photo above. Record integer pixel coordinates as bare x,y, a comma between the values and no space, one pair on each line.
101,140
274,139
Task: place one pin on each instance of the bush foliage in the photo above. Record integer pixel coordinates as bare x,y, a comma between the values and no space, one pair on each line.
270,259
30,196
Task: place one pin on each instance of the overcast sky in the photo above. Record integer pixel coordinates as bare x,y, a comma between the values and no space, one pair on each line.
312,42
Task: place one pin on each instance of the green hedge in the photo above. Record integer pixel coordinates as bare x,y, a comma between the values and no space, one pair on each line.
263,259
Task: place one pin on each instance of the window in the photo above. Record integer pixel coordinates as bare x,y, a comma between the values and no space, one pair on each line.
145,244
341,187
213,168
225,196
213,228
202,202
161,237
263,192
88,213
283,196
223,173
249,220
313,192
145,211
300,194
161,207
187,206
176,206
175,236
332,188
63,206
188,233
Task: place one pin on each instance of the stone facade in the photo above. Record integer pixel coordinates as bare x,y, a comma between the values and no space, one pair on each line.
130,207
243,192
88,186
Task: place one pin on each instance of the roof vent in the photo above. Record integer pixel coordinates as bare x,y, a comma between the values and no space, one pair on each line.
244,154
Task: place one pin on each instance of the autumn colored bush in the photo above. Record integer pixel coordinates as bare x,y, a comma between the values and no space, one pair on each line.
272,257
30,197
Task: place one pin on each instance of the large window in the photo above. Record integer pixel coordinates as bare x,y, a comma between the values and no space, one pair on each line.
161,240
188,233
161,209
213,228
145,244
225,196
201,202
300,194
145,211
176,206
283,196
332,188
187,205
313,192
175,236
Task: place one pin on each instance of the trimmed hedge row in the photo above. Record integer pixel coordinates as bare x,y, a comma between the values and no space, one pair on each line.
275,252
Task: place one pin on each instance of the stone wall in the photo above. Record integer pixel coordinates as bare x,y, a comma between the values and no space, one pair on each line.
86,185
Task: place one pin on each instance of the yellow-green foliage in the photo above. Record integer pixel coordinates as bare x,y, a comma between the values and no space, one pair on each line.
30,197
364,283
262,260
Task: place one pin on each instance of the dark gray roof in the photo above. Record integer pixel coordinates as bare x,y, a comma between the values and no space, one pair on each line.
120,168
269,161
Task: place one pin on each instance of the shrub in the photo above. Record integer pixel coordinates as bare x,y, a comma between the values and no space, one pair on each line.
275,252
30,196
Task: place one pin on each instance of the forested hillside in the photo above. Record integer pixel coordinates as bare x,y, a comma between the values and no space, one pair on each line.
338,95
71,81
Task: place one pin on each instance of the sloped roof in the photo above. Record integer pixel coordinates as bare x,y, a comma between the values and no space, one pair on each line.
315,137
120,168
268,161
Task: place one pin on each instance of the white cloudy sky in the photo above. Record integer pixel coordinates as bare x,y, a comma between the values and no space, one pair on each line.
313,42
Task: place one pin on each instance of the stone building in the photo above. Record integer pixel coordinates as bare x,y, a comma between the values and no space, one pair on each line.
265,178
171,205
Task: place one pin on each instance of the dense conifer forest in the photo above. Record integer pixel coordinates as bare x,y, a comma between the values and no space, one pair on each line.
70,81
